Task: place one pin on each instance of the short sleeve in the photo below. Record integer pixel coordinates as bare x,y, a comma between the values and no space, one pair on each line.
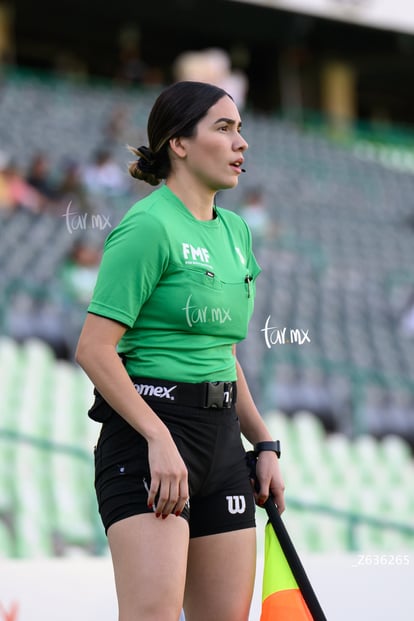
135,256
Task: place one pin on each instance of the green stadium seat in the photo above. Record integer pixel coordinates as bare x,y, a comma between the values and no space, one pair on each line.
338,267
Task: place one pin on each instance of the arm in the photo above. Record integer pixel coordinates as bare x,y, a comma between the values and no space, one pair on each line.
254,430
96,354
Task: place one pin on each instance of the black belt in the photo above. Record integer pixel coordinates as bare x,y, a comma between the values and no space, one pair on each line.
203,395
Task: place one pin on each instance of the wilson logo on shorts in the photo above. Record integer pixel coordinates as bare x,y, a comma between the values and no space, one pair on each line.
236,504
149,390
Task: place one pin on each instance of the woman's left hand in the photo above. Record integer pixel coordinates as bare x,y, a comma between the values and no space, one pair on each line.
270,480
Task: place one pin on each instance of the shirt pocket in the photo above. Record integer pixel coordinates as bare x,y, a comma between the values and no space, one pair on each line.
211,305
204,277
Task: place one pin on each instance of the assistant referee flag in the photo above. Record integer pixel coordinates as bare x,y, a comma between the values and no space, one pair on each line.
281,596
287,593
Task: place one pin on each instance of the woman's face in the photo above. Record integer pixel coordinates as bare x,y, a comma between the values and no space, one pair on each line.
214,155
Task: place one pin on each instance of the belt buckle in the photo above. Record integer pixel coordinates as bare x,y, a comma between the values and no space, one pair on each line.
218,394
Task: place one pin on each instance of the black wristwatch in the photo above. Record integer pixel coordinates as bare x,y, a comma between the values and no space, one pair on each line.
267,446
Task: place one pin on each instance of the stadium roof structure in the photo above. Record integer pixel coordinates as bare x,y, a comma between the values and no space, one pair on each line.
273,33
395,15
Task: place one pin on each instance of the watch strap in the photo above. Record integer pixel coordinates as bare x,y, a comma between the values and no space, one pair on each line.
269,445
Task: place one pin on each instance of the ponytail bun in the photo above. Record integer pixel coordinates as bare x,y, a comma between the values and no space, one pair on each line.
145,168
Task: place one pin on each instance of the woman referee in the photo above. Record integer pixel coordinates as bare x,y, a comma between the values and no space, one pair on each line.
174,295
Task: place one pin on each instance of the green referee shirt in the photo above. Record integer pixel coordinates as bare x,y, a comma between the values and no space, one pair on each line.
183,287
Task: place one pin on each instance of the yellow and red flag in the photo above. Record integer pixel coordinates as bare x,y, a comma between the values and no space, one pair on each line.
281,597
287,594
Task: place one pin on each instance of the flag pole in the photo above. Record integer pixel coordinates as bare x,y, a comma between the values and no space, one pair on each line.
294,561
288,548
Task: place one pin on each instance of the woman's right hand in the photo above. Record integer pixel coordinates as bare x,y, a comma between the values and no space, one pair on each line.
97,355
168,492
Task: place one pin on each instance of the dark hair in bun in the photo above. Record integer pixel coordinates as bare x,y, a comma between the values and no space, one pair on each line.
175,113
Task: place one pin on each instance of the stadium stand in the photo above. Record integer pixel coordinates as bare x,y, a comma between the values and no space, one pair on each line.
335,486
337,270
46,453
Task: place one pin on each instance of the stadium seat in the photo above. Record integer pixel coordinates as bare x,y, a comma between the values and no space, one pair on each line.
336,267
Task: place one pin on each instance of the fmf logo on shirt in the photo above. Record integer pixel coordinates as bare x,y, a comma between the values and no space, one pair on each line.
195,255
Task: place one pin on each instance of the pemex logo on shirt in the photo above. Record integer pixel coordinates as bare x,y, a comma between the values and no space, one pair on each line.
194,255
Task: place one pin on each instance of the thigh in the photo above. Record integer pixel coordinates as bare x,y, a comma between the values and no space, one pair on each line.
149,557
220,576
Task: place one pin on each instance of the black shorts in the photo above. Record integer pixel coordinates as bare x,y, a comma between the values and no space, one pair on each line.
221,497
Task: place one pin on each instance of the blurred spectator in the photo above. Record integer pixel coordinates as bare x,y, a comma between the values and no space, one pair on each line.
131,68
116,128
39,175
236,84
78,277
16,192
79,272
240,57
253,210
69,66
212,65
5,194
104,176
204,66
71,189
55,312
